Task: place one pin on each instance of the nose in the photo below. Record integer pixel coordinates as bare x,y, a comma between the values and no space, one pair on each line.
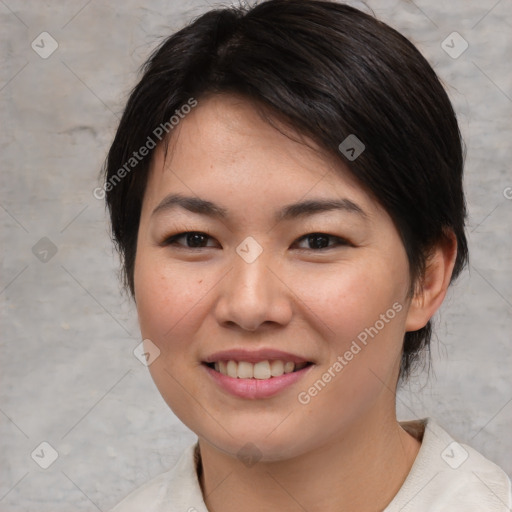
253,295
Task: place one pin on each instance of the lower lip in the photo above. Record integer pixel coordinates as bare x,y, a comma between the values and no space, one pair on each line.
256,388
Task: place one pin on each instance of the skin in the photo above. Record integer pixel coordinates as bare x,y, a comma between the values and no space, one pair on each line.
344,450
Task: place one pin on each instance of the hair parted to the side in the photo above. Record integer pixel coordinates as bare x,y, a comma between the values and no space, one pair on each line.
328,70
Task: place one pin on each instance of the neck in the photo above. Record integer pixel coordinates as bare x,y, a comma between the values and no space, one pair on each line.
361,470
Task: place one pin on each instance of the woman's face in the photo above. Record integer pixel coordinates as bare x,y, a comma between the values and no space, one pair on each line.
255,289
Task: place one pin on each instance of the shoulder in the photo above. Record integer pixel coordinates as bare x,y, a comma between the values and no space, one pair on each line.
148,497
451,476
176,489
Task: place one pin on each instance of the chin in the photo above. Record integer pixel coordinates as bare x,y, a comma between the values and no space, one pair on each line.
251,450
253,439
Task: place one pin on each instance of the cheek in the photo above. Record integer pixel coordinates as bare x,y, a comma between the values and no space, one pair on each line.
361,312
170,311
352,298
165,296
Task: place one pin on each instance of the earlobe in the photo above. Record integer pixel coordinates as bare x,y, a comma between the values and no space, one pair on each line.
432,289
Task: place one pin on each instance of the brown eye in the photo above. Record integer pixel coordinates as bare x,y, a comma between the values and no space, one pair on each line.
193,240
319,241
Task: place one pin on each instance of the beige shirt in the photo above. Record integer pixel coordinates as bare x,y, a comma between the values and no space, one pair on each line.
445,477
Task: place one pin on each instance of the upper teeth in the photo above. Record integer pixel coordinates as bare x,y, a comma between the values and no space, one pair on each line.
261,370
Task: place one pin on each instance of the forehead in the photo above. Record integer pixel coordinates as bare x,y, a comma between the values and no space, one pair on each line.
224,149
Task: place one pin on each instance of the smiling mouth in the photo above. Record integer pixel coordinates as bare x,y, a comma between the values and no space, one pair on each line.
261,370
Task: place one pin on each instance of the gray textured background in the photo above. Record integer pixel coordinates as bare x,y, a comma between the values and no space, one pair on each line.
68,374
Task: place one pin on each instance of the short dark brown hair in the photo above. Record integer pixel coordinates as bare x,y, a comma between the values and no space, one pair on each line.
329,70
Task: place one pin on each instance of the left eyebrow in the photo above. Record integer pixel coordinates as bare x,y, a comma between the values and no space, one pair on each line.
311,207
288,212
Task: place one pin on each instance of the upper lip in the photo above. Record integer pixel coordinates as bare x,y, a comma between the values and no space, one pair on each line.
254,356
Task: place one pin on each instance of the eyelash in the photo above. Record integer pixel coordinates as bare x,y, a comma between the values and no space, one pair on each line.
339,241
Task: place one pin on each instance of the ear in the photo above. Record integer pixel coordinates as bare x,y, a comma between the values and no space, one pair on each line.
432,288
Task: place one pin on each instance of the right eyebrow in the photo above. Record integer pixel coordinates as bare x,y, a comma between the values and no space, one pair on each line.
192,204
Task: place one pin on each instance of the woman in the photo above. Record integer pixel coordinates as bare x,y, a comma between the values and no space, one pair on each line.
285,190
